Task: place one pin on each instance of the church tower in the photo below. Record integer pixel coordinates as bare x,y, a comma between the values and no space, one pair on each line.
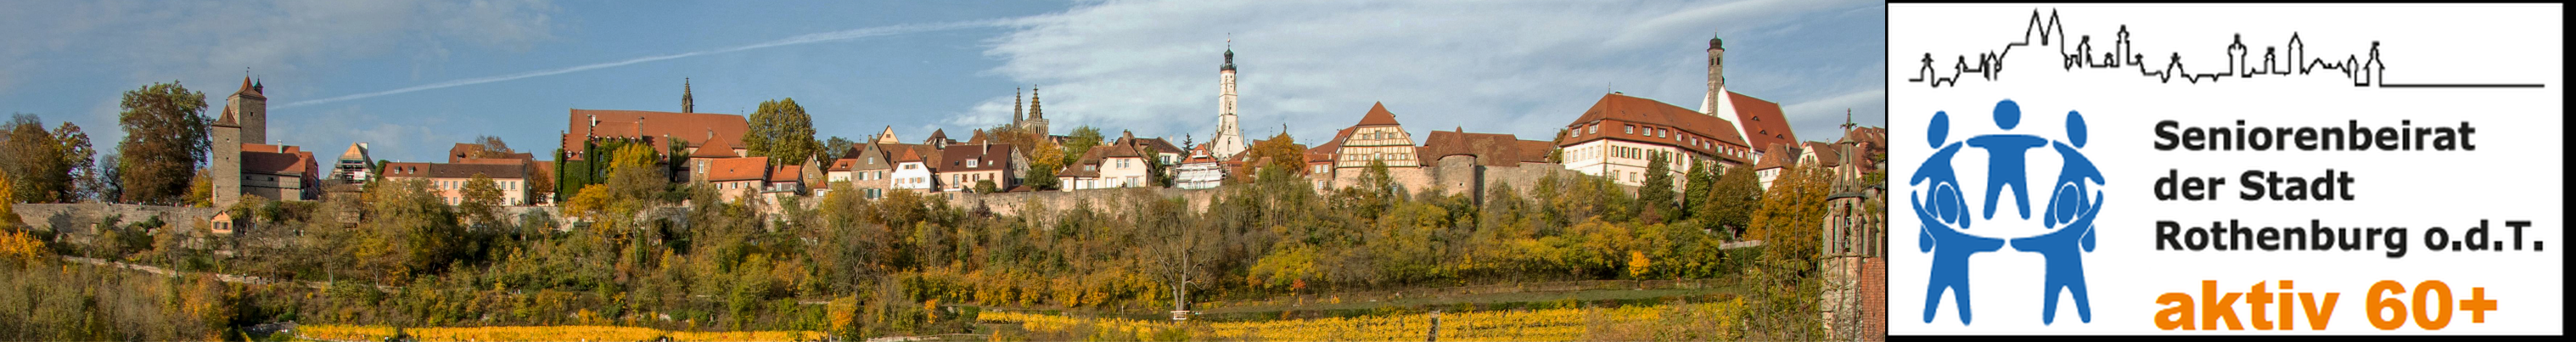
1037,115
1019,110
688,104
1717,103
1229,138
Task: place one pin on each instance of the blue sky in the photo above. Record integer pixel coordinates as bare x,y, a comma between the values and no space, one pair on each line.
412,78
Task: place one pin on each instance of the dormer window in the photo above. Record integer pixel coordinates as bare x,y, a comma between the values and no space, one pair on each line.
971,163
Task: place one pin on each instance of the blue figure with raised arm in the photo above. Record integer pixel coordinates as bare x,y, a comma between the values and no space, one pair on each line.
2071,210
1949,247
2004,159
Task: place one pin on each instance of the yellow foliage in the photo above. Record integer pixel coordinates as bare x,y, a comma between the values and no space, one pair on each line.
16,246
1508,325
543,333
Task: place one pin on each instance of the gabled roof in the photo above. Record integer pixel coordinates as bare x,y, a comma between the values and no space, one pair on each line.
702,129
1628,110
1777,156
274,159
986,157
248,89
787,173
1378,116
1826,154
1763,123
736,169
1158,145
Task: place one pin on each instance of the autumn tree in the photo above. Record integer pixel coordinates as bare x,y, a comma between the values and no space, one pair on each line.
489,147
165,140
81,158
1792,215
482,200
781,130
34,161
1281,152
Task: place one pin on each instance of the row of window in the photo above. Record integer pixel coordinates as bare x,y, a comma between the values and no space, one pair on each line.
1656,132
458,185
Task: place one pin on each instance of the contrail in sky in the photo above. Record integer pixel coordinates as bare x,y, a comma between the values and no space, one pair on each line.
796,40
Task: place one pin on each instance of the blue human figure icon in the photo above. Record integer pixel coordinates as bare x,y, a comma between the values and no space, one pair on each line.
2072,210
1950,250
1950,247
2005,165
2064,249
1937,169
2064,206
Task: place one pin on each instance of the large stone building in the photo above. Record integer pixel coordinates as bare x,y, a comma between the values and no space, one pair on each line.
448,180
242,163
1465,163
1620,134
1378,138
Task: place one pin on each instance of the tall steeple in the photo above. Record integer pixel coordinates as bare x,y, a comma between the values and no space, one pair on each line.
1036,123
688,104
1018,112
1717,102
1229,138
1035,112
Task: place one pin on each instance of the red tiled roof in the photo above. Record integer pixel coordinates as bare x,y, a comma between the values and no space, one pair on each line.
736,169
1763,123
1489,149
703,129
1616,111
987,158
273,159
787,173
1826,154
1776,156
1378,116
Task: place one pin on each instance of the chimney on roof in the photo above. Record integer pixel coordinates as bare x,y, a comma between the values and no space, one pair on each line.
594,121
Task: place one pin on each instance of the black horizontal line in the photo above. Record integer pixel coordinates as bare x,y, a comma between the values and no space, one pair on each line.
2453,85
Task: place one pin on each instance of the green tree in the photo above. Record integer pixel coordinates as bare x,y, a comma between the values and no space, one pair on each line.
1655,195
833,149
1701,178
1730,203
781,130
165,139
1081,141
35,161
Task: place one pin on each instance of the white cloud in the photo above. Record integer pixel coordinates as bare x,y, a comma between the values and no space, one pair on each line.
1513,67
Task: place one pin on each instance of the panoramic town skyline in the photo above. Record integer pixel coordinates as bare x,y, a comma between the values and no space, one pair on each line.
458,71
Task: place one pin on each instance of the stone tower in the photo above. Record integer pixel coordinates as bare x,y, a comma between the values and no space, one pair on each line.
1019,110
1717,103
242,122
250,109
1229,137
688,103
